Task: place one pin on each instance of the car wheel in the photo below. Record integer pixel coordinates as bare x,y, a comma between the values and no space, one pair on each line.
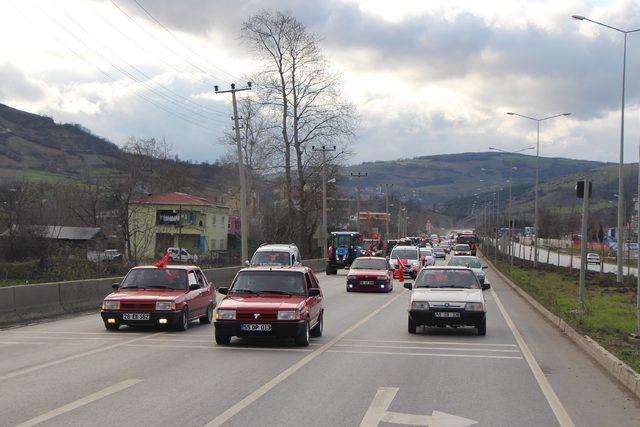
183,322
412,326
112,326
482,328
317,330
207,318
221,338
302,339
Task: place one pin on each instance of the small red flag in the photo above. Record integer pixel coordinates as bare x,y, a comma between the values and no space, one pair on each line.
163,262
400,272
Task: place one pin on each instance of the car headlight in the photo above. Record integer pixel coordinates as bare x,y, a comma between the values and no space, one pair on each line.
351,277
111,305
288,315
165,305
382,278
419,305
226,315
474,306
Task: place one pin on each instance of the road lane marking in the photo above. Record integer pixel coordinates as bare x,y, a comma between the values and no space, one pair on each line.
67,338
401,353
432,342
80,402
265,388
500,350
72,357
24,342
213,347
558,409
378,412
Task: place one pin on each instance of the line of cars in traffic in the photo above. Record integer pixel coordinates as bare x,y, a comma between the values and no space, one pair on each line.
277,296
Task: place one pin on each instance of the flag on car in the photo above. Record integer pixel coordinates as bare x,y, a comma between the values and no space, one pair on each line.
163,262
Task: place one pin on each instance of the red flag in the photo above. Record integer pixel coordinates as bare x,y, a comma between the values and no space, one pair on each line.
163,262
400,272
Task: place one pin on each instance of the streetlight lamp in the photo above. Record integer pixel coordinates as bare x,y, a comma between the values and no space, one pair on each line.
620,180
535,209
511,168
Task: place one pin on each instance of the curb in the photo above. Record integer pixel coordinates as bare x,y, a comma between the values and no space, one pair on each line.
614,366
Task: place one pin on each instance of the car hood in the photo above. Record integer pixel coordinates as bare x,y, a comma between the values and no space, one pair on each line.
144,295
261,302
447,295
367,272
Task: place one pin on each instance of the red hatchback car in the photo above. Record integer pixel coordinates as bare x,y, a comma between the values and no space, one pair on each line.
372,274
271,301
150,296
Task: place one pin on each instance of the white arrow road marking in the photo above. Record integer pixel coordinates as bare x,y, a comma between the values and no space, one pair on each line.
378,413
80,402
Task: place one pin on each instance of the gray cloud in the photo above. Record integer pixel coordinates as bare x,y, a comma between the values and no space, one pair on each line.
16,86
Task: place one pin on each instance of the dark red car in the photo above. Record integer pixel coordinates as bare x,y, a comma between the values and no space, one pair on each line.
371,274
148,296
271,301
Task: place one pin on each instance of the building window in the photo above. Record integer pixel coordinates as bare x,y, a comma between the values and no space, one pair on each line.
213,217
213,244
221,243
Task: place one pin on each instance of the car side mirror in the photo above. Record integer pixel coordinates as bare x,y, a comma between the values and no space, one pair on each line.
194,287
484,267
486,286
314,292
408,285
387,258
247,263
115,286
223,291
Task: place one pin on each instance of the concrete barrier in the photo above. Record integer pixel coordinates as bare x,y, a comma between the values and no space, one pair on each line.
8,313
37,301
83,295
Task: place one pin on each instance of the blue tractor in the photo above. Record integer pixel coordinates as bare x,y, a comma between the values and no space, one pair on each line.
343,248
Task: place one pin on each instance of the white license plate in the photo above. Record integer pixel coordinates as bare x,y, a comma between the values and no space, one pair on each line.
255,327
446,314
366,282
136,316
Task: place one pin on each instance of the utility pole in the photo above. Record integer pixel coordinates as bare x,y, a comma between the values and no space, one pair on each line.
637,335
323,238
358,175
386,209
244,227
583,241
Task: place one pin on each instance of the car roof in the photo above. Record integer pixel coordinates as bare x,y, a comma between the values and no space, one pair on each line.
465,256
294,268
279,246
371,257
447,267
404,247
172,266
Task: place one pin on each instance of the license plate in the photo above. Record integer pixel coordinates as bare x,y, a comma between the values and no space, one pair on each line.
366,282
136,316
446,314
255,327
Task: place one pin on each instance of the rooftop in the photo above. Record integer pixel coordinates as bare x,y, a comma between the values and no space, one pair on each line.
174,198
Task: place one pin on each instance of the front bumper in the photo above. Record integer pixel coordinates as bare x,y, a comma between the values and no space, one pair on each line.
154,317
428,318
278,328
378,286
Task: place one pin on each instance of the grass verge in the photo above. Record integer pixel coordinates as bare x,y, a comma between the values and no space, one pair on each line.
610,309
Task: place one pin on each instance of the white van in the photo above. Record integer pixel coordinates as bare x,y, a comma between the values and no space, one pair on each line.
276,254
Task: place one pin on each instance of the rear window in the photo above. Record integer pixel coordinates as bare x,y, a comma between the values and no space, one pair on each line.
270,258
264,282
467,239
463,247
465,262
369,264
464,279
144,278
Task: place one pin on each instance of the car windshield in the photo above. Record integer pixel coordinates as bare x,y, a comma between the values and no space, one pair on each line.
426,252
465,261
144,278
264,282
467,239
369,264
270,258
404,254
442,278
462,247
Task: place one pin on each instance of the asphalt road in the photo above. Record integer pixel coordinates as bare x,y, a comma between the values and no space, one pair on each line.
364,370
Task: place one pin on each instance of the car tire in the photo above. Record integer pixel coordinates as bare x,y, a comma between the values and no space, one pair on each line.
222,339
317,330
302,339
330,270
482,328
183,322
411,326
207,318
112,326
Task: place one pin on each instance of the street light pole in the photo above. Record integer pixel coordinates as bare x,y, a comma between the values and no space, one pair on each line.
535,203
386,209
619,238
358,175
323,238
244,228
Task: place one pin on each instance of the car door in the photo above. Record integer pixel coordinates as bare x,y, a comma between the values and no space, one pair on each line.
313,303
193,296
207,294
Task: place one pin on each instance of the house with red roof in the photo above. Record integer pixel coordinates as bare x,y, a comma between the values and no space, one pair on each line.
161,221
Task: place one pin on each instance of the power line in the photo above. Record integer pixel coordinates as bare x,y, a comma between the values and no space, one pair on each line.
180,41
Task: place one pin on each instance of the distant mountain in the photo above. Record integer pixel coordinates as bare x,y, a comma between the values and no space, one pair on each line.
437,180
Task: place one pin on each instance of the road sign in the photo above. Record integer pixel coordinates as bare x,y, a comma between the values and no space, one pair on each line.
378,413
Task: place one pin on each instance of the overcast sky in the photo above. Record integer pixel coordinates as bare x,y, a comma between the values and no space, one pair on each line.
427,76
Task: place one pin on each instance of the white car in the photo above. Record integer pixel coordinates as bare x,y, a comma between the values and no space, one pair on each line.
593,258
426,255
447,296
410,258
472,262
276,254
181,255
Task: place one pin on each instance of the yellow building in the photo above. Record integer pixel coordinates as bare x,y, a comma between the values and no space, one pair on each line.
161,221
